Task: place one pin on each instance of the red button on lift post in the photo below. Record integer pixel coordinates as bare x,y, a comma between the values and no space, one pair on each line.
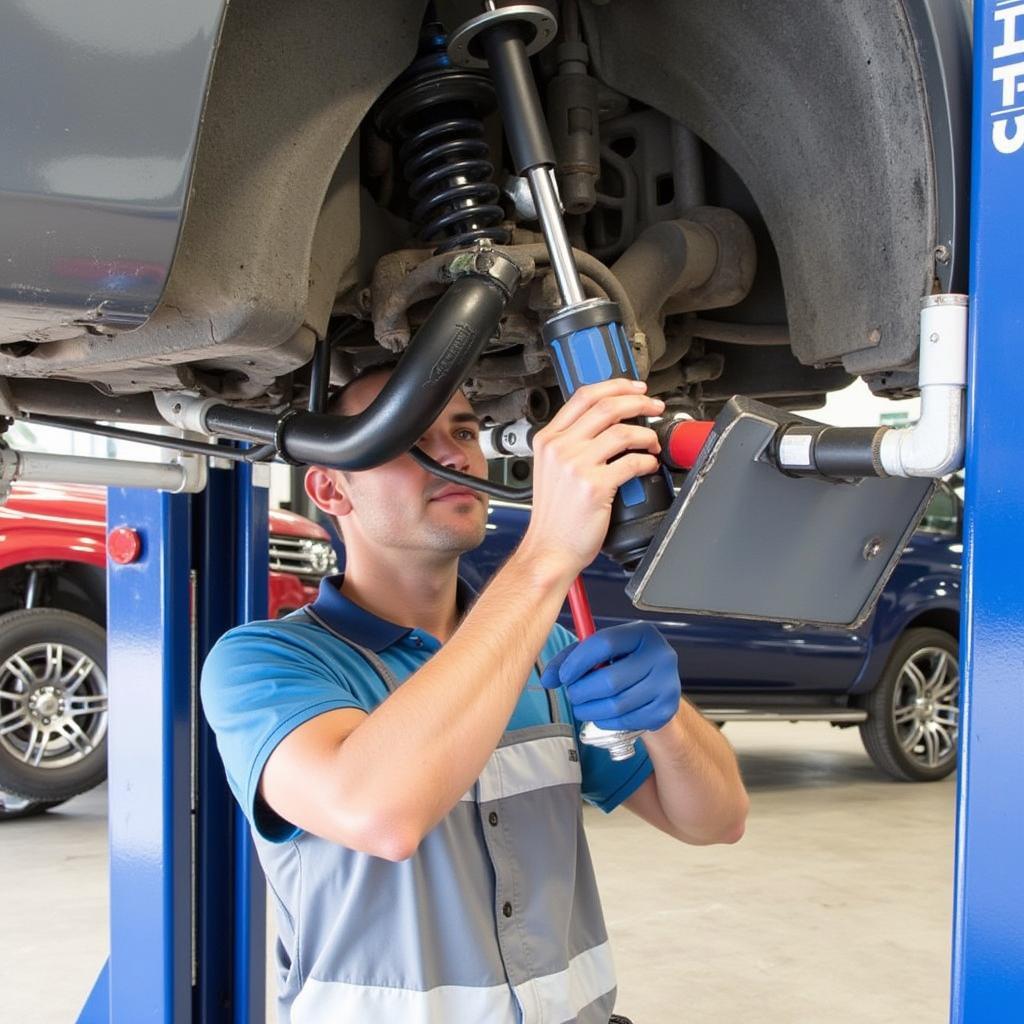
124,545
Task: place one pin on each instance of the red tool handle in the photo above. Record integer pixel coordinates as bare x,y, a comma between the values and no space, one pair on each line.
682,441
579,605
619,743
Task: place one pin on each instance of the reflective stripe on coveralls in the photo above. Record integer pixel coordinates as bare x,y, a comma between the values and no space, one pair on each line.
496,918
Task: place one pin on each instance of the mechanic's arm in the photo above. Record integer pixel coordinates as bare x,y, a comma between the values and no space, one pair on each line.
696,793
380,782
626,677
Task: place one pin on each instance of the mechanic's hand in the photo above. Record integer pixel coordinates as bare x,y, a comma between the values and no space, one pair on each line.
622,677
574,482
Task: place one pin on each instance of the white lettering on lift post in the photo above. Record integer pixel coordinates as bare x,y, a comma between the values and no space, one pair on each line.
1008,119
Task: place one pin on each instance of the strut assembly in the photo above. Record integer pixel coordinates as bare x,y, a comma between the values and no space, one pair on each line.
433,112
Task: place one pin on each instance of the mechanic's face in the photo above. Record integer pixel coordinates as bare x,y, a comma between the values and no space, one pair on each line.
400,505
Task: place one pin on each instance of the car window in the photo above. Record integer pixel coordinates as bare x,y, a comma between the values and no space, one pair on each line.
942,513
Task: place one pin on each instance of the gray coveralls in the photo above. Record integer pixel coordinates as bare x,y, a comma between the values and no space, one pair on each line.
495,919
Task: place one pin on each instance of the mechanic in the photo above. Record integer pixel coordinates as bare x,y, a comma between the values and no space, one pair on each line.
406,751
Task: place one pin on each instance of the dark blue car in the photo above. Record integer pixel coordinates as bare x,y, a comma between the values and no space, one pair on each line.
896,677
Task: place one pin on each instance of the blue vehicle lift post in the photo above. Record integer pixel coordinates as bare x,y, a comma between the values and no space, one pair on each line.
170,966
187,897
988,927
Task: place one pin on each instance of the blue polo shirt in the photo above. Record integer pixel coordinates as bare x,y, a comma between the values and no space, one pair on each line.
265,679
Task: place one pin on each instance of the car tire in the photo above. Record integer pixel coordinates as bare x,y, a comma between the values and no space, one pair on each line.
53,704
913,713
12,807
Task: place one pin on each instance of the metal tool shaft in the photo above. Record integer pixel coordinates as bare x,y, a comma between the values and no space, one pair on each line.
549,213
530,141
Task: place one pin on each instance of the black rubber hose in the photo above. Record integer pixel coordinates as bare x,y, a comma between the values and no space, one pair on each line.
243,424
834,453
522,494
320,376
178,444
262,453
849,452
434,365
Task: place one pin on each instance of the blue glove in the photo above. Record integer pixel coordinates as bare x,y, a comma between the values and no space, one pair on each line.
636,686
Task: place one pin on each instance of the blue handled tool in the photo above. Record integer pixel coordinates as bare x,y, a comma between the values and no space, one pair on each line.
586,338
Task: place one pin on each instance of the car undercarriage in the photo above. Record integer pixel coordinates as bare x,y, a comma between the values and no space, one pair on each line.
766,192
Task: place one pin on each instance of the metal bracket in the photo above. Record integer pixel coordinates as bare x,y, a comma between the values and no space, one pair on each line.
185,409
462,48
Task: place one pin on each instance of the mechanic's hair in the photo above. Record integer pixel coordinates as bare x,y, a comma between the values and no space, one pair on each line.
336,407
336,402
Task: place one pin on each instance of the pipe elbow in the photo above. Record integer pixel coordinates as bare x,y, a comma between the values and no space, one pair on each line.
934,446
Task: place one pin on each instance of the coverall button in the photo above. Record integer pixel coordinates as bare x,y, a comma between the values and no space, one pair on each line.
492,818
507,910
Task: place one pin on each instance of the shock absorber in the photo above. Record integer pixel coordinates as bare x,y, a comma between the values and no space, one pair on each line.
585,336
433,113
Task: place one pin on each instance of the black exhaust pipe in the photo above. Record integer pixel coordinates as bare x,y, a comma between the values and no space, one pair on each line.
434,365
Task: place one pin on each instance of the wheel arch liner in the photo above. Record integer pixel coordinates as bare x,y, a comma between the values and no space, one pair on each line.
825,111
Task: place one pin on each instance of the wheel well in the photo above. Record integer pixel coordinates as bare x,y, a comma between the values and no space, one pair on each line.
938,618
72,586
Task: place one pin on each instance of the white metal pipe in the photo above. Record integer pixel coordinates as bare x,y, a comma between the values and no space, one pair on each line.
934,445
186,475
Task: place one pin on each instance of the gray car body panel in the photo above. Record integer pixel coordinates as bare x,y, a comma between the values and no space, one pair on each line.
845,121
103,102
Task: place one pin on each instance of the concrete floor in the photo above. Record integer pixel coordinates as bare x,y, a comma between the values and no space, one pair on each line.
836,904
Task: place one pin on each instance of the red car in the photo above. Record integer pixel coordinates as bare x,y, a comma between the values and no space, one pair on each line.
53,686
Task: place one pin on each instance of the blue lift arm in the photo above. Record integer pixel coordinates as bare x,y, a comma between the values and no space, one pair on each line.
988,925
187,897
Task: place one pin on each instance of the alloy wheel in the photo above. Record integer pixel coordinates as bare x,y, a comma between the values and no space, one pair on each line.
53,705
925,707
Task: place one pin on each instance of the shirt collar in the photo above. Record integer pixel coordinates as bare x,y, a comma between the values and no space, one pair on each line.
355,623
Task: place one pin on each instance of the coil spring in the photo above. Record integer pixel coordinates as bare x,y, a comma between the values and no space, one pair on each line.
434,112
449,179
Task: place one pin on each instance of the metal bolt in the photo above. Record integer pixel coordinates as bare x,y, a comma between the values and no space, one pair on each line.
942,254
46,721
622,751
872,548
